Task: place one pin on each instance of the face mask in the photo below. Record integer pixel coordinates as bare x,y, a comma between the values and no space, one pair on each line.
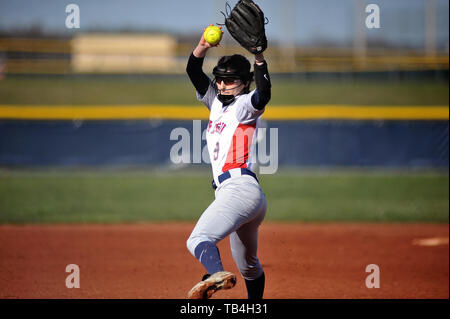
226,99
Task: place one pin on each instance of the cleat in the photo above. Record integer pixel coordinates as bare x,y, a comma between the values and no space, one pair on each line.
206,276
207,287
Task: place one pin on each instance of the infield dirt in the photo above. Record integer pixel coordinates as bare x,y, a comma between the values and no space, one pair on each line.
151,261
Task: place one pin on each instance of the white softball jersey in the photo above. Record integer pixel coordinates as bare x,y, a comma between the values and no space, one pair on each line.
231,131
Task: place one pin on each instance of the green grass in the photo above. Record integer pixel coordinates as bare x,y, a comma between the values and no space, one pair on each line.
135,196
95,91
360,93
178,90
374,197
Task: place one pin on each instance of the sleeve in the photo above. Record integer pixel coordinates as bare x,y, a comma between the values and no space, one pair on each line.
198,78
254,103
246,113
209,96
263,86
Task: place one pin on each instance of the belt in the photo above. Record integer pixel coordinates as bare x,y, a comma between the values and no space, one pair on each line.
236,172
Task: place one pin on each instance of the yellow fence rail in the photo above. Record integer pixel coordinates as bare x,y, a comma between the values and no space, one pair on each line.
174,112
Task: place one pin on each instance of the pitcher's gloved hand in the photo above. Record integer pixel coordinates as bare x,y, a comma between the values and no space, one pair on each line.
246,25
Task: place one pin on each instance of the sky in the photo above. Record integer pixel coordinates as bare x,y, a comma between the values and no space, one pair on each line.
299,21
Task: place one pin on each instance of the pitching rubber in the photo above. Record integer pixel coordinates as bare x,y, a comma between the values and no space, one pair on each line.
218,281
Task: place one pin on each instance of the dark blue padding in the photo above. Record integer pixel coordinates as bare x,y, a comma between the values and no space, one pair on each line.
391,144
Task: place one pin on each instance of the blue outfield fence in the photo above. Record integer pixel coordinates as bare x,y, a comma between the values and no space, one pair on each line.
396,144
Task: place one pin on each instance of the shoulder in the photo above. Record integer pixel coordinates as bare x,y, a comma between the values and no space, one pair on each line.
209,96
245,111
245,100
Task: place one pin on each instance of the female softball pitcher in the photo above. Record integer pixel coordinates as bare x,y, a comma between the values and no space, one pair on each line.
240,205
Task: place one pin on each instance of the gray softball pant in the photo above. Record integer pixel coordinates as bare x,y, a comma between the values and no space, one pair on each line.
238,210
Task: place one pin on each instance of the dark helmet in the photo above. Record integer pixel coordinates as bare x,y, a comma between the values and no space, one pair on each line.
233,66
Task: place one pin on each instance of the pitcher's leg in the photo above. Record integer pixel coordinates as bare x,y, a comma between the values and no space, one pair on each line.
244,246
209,230
219,220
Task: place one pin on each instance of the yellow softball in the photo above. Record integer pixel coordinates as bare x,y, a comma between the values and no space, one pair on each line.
213,34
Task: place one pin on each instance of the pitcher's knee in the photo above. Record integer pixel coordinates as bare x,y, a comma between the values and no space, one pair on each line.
190,245
251,271
193,241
